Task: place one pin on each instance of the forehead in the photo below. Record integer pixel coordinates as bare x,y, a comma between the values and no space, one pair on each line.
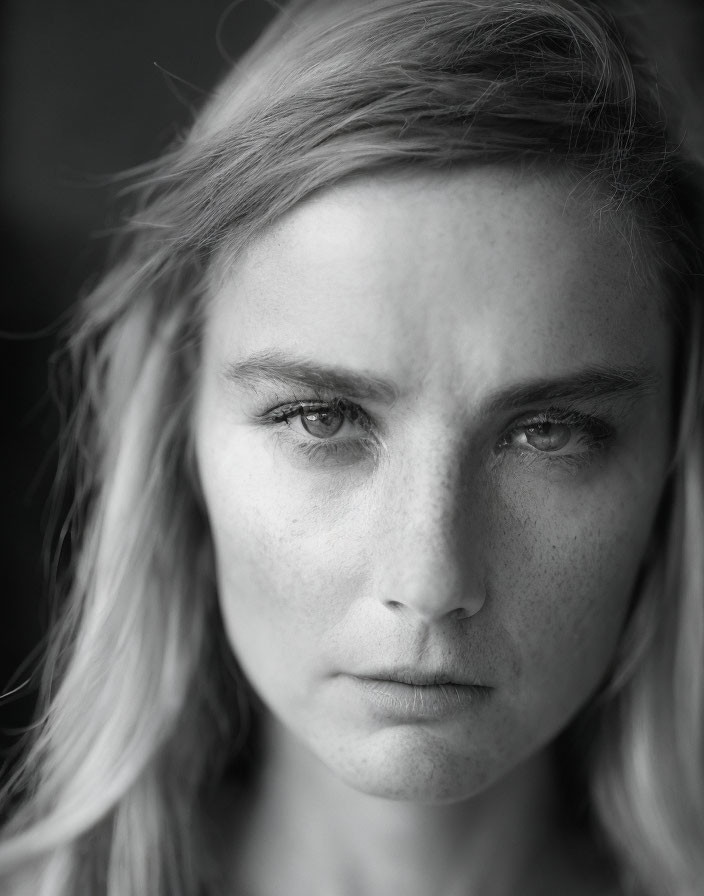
466,275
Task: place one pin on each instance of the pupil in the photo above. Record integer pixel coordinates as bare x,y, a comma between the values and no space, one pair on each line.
322,424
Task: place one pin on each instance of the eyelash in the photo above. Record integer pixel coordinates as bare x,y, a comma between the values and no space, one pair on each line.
345,449
594,432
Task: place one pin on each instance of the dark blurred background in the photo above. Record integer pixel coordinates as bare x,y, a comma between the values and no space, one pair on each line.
90,88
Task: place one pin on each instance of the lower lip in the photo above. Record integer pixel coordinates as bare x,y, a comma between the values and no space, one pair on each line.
407,701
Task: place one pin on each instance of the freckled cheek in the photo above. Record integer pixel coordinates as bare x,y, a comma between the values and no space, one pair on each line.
282,549
563,572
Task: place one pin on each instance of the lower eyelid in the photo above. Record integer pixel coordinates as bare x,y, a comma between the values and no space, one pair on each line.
341,451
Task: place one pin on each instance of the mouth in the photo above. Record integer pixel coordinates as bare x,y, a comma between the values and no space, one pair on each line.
416,678
408,694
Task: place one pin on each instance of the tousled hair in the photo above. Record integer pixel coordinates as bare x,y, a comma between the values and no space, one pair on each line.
141,705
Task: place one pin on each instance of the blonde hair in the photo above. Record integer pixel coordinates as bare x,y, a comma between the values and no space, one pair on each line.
142,705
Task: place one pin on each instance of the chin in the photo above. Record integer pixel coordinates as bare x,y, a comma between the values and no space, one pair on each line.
408,764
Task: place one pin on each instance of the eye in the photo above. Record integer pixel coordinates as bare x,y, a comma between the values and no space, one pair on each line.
322,423
560,433
337,432
321,419
549,436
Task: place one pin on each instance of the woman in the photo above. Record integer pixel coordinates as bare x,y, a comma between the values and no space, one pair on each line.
390,423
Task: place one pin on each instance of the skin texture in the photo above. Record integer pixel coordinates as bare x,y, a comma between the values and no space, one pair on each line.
439,536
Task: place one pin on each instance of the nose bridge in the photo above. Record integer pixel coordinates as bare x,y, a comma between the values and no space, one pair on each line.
435,556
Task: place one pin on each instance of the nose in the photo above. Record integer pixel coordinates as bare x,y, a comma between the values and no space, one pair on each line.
433,557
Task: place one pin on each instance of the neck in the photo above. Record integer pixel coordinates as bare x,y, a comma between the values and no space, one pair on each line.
308,832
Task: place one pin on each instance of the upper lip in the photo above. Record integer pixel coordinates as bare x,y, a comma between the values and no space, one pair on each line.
420,677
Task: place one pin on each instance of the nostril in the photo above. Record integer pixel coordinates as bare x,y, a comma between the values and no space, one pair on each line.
459,613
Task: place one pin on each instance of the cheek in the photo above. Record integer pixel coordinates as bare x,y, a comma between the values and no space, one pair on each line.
564,563
284,576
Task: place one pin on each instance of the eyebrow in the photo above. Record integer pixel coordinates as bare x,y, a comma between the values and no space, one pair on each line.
273,368
592,382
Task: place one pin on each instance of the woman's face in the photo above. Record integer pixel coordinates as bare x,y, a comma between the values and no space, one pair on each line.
432,431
